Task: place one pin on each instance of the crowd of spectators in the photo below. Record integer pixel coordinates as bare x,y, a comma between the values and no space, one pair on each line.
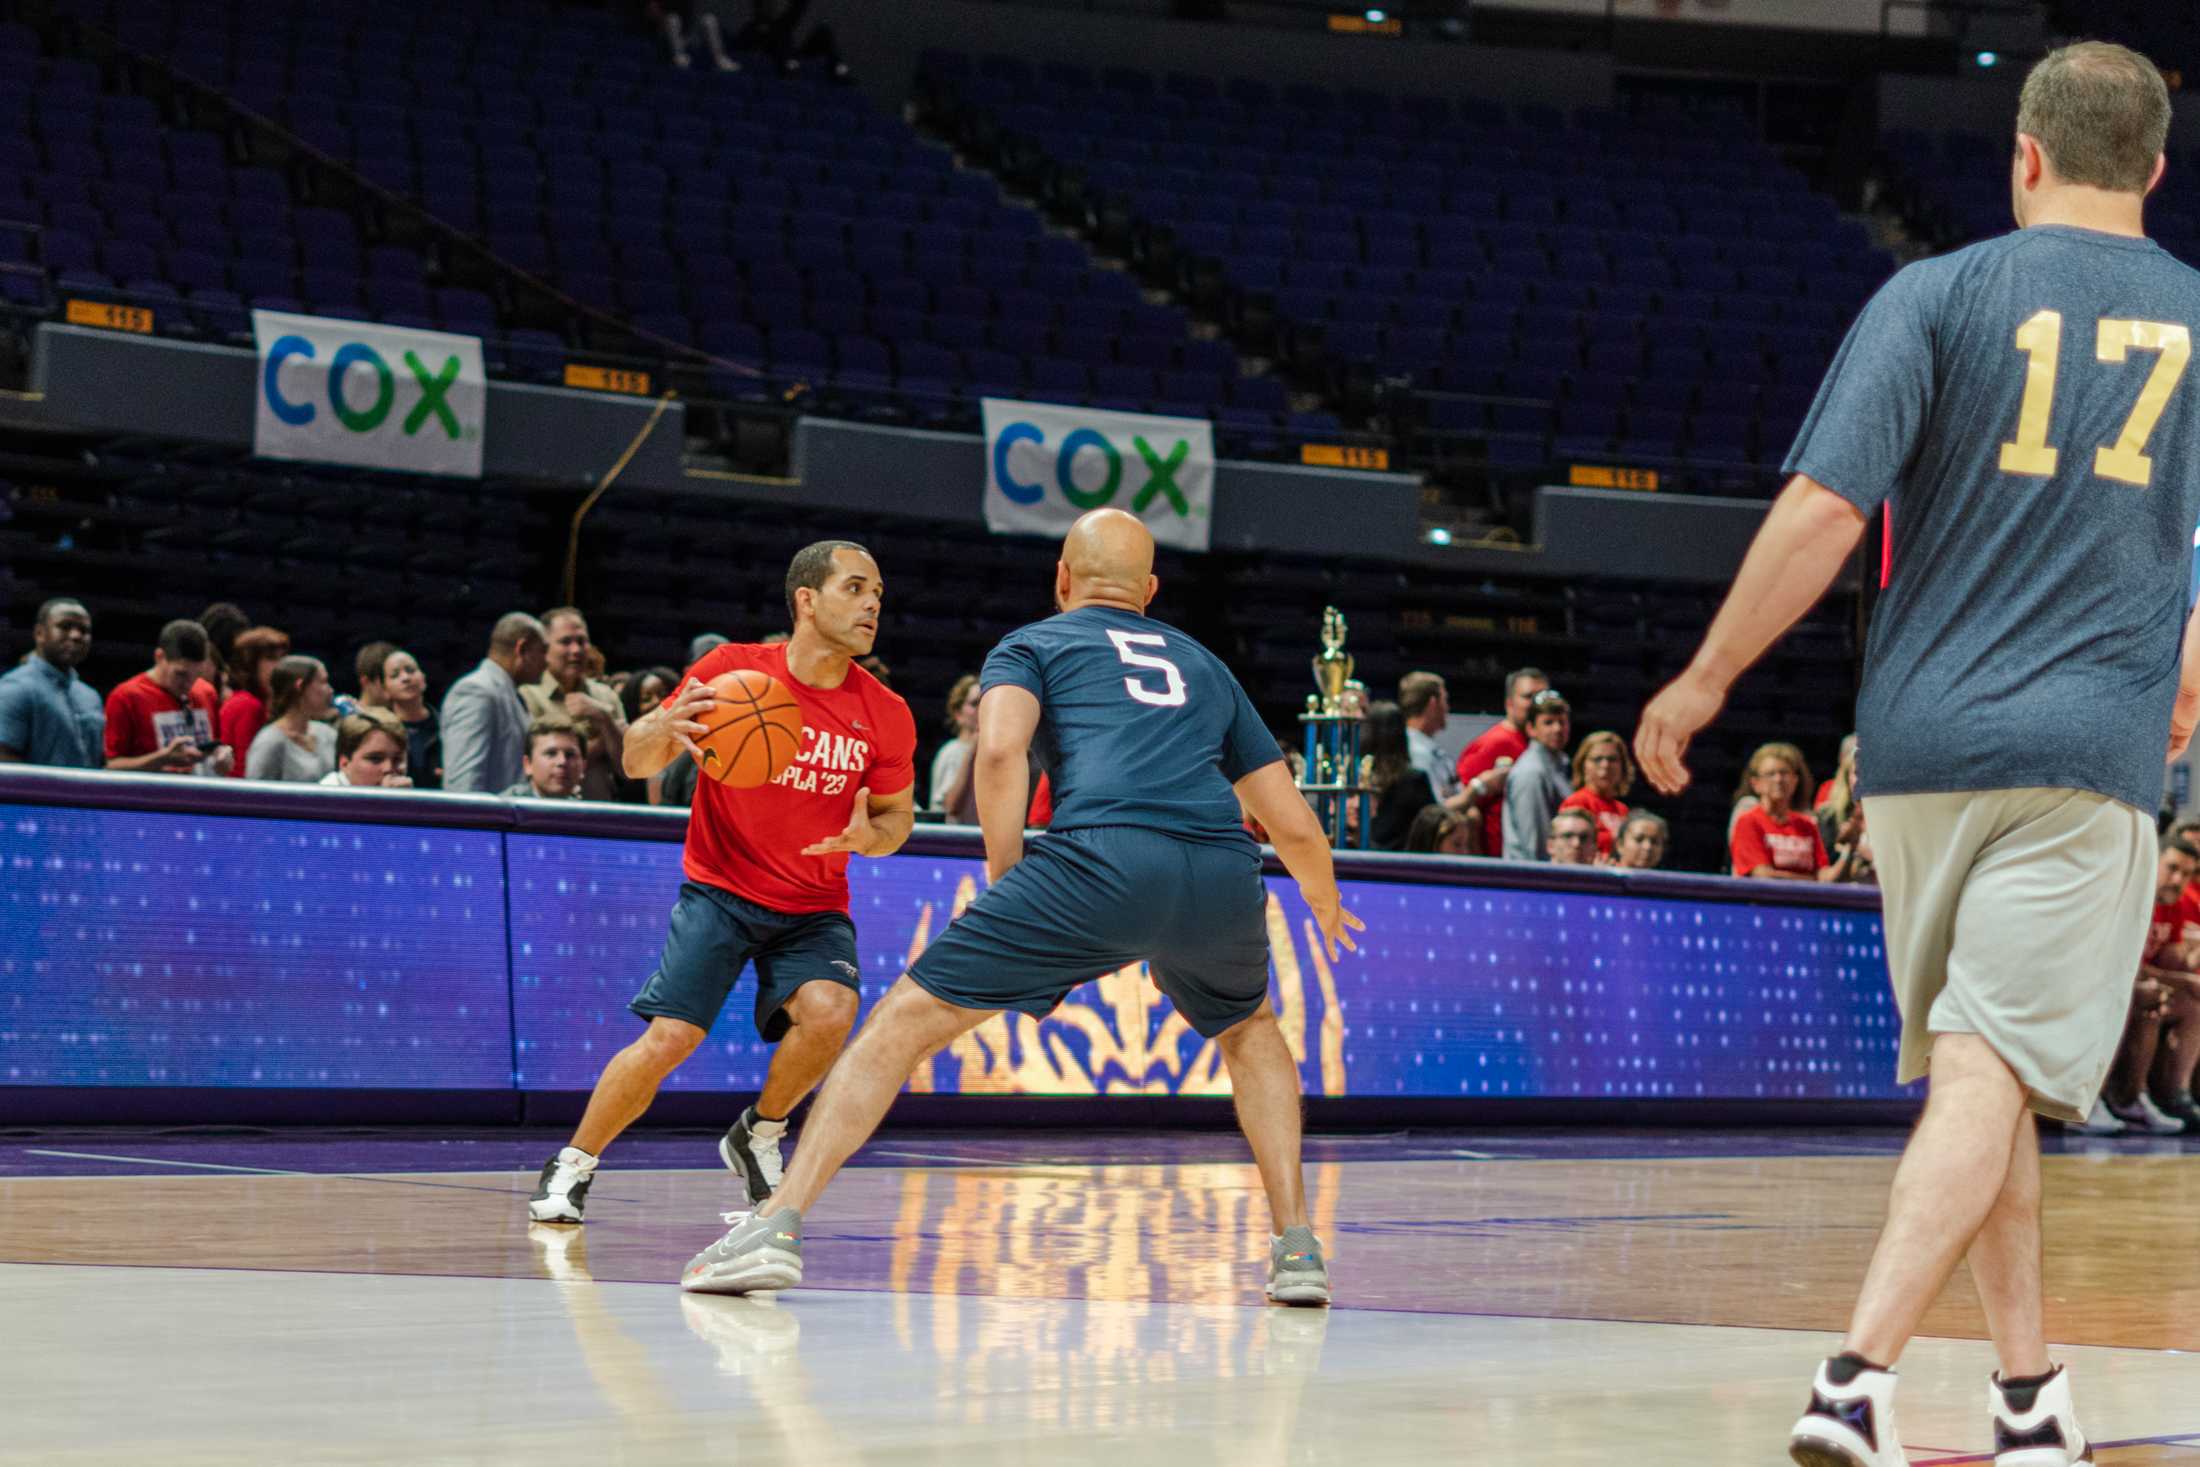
541,717
2149,1088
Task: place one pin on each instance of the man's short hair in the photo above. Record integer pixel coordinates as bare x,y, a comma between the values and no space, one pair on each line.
1547,703
1416,690
2183,848
557,723
2100,112
557,614
1519,675
703,643
513,628
48,607
355,728
368,664
182,640
1575,814
812,566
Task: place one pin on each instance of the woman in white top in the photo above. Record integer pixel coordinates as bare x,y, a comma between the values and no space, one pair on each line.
370,752
294,747
953,789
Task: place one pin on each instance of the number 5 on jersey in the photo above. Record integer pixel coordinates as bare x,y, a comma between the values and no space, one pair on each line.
2040,339
1171,695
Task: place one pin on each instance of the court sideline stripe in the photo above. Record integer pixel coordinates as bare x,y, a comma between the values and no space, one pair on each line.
204,1166
2177,1439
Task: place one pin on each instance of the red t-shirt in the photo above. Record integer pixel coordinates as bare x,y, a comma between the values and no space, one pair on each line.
1825,793
243,716
1610,816
2172,926
144,717
1790,845
749,842
2188,906
1499,741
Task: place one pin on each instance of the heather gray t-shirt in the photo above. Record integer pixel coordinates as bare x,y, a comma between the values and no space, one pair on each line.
2029,407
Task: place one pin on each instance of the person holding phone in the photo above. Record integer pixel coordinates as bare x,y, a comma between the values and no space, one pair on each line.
162,720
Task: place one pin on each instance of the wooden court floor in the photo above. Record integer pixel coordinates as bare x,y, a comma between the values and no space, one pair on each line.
965,1304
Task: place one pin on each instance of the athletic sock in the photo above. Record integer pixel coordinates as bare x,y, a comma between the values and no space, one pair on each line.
1848,1365
574,1156
2026,1382
755,1113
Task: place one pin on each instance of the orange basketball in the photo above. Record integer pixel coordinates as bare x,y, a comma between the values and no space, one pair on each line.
755,729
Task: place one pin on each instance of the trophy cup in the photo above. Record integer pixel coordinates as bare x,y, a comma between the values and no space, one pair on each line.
1335,777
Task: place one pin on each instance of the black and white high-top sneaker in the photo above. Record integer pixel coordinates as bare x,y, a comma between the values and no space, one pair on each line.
562,1191
750,1150
1850,1420
2035,1425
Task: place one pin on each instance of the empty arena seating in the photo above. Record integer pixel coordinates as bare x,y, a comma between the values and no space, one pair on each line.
782,224
1661,288
1954,189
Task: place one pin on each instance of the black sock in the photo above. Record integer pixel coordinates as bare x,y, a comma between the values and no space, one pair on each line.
1848,1365
2028,1382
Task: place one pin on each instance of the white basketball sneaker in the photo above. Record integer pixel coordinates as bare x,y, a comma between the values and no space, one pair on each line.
2144,1115
2035,1424
2100,1121
561,1192
1850,1421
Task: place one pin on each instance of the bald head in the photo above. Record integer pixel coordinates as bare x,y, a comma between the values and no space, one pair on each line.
1106,561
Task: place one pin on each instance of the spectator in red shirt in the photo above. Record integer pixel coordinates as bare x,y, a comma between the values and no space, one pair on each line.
1603,771
244,712
1774,841
2150,1089
1484,763
2188,904
162,720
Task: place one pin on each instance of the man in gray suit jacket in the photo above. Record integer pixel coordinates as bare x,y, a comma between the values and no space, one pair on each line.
484,721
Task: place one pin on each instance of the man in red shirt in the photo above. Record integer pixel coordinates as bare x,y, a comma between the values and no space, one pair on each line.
1484,763
766,875
162,720
2152,1087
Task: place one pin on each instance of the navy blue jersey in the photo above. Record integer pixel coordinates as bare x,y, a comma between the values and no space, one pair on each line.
1138,724
2025,403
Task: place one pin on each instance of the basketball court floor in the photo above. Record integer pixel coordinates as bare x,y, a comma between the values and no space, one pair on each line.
1505,1297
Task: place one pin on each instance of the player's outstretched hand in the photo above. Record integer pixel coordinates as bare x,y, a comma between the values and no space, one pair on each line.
679,712
1683,709
1337,924
856,839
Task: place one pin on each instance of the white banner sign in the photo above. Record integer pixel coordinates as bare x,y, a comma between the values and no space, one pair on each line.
381,397
1046,464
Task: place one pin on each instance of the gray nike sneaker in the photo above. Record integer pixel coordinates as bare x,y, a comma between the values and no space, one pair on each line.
1296,1272
756,1255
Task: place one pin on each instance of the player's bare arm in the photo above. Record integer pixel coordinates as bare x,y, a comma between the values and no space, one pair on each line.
2185,712
1302,847
1008,718
1806,539
876,827
657,738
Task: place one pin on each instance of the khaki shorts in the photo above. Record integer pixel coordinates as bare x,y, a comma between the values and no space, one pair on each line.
2019,916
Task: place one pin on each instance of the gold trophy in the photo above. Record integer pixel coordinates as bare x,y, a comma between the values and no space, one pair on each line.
1335,776
1333,668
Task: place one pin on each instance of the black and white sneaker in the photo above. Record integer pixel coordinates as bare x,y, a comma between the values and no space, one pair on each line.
750,1150
2035,1425
1850,1421
562,1191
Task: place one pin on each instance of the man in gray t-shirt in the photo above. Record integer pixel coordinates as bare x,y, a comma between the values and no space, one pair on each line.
2022,409
1540,779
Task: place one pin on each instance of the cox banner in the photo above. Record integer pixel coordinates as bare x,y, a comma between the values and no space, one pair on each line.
381,397
1046,464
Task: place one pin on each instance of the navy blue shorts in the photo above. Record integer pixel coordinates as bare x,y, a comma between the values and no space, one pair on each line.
1082,903
714,934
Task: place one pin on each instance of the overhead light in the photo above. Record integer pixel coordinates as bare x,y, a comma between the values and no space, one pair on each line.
1376,17
1438,535
1988,60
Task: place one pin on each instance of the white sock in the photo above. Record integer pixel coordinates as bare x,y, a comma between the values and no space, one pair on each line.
768,1130
573,1156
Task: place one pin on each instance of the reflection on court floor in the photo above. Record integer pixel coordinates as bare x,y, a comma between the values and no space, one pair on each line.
969,1307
